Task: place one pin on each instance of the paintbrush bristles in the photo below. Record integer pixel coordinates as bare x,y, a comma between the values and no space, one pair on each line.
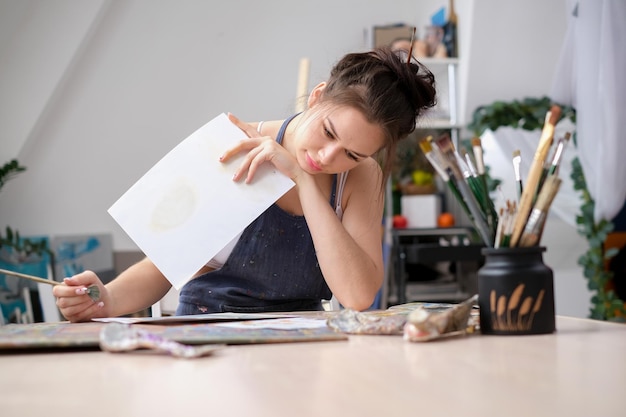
425,144
478,155
448,155
453,160
433,157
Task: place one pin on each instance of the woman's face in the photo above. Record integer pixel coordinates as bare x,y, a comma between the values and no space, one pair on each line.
335,140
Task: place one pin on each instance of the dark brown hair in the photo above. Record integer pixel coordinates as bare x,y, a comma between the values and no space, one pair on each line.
387,89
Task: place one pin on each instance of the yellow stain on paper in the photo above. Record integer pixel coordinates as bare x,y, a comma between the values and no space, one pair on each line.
176,206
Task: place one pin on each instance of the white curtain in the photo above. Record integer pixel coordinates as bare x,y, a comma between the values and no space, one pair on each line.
590,77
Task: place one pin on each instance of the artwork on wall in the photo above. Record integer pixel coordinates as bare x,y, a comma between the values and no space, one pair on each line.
77,253
24,301
15,293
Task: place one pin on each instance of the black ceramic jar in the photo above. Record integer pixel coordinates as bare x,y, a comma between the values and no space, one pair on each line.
516,292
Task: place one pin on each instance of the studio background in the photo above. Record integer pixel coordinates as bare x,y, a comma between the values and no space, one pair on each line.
95,92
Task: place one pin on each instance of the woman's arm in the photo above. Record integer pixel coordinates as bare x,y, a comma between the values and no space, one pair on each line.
349,251
137,288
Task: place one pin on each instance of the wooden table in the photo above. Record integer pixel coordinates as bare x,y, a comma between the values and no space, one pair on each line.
578,371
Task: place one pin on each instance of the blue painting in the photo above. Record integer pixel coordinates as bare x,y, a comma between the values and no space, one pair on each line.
76,254
14,290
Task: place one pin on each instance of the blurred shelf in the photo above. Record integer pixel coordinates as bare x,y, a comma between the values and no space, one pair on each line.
416,254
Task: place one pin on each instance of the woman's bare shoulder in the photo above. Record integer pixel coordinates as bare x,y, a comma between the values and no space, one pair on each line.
365,178
369,170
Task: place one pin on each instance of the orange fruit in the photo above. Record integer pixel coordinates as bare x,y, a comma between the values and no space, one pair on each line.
445,220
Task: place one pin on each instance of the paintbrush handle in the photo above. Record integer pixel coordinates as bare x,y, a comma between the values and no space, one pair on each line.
93,291
487,204
459,197
472,205
542,180
29,277
534,227
534,175
520,189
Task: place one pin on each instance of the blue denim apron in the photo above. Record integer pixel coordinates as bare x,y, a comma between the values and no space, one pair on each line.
273,267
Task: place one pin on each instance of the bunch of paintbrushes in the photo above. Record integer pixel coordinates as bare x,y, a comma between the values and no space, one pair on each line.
466,178
541,185
517,223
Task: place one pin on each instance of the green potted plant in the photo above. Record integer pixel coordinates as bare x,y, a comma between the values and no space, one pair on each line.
26,255
20,247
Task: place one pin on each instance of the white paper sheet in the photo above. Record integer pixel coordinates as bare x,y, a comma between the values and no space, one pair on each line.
195,318
186,208
289,323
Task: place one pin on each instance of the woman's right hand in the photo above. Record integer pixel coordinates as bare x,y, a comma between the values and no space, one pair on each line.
259,149
74,302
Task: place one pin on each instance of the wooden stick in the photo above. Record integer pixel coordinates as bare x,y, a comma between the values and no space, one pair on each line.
534,174
536,221
29,277
408,60
303,85
92,291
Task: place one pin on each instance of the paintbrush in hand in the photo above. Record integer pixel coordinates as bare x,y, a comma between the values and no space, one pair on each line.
93,291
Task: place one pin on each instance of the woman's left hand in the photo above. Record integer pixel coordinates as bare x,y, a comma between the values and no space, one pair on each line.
260,149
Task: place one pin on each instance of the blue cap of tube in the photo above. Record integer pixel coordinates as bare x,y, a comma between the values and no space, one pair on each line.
439,18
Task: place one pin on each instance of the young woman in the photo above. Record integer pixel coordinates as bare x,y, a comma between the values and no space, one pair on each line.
321,238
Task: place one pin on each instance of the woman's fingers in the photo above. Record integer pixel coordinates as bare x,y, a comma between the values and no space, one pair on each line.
68,296
73,300
85,278
242,146
259,150
84,311
254,139
248,165
249,130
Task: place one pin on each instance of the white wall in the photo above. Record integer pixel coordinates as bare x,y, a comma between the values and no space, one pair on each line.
94,92
514,49
146,76
512,54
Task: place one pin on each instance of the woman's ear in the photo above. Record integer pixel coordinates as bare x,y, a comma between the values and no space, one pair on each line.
316,94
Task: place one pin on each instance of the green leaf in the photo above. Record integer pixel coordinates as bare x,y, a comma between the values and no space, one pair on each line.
609,253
